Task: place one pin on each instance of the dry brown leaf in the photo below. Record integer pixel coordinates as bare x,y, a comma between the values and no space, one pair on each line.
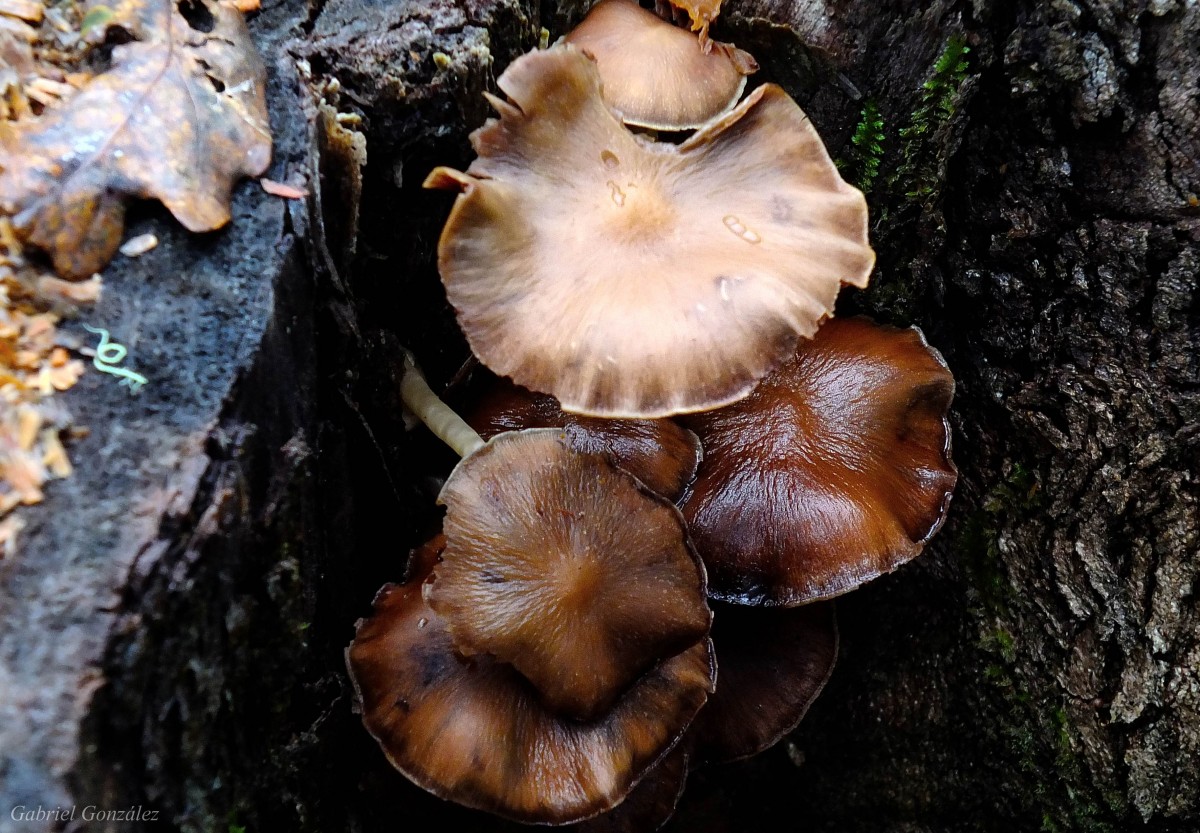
180,116
24,9
18,30
68,292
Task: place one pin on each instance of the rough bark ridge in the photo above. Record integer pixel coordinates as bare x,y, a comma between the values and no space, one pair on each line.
1038,214
1040,667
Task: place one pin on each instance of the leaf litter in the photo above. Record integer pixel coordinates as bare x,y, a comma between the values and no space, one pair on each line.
100,103
179,115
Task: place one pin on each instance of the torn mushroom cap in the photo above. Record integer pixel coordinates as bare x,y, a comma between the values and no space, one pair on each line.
472,730
702,13
638,279
660,453
774,663
655,74
566,567
836,469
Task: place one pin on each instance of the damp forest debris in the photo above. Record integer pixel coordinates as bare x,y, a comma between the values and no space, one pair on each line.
34,366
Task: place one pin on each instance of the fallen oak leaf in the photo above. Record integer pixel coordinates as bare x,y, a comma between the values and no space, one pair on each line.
24,9
180,116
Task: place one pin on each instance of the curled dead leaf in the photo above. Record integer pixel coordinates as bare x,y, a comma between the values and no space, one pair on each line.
180,116
282,189
53,289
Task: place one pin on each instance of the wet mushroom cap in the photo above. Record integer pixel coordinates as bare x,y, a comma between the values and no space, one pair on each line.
655,74
567,568
474,731
639,279
835,470
653,800
774,662
660,453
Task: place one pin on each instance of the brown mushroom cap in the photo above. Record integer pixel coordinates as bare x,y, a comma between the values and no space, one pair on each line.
474,731
660,453
653,800
835,470
655,74
565,567
774,663
638,279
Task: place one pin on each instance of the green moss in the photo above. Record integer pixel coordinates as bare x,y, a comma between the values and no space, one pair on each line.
1061,723
866,149
977,541
918,175
1034,729
1020,490
1006,644
1039,741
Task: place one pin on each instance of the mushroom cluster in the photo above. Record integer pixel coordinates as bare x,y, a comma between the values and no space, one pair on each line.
552,643
672,455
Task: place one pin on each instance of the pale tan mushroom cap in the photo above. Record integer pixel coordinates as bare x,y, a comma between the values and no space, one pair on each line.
655,74
638,279
566,567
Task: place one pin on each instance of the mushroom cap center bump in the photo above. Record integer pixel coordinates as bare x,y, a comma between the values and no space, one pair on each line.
566,568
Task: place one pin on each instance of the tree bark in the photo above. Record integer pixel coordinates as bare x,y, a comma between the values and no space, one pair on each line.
1037,214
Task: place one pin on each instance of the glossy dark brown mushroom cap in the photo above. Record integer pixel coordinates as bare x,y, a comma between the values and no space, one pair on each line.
774,662
836,469
659,452
655,74
474,731
565,567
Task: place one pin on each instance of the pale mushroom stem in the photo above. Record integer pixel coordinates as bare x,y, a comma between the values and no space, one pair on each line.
438,417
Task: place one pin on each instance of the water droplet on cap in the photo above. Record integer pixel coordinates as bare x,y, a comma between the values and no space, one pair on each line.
741,230
618,196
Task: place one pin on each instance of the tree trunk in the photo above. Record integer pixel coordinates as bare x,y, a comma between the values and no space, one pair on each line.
174,638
